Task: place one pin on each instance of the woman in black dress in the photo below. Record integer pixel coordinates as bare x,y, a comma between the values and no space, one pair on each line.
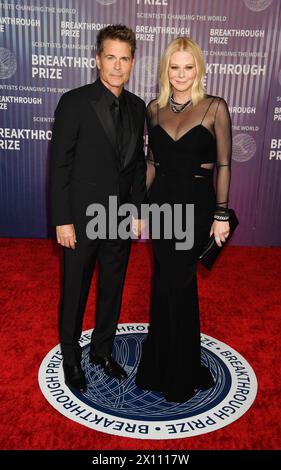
189,138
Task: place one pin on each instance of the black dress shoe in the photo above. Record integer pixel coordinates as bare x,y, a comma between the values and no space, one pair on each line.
109,365
74,377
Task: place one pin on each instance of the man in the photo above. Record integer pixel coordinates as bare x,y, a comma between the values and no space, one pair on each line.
96,152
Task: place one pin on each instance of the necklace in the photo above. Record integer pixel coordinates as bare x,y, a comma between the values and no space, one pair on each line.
178,107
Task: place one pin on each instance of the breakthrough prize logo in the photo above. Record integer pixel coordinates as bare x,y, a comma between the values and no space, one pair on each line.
121,408
8,63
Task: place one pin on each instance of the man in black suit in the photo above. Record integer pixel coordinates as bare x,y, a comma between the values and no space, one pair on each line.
96,152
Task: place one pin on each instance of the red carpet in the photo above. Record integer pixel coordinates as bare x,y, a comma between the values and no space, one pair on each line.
240,305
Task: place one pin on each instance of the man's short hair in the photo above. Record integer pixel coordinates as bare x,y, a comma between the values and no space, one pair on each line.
119,32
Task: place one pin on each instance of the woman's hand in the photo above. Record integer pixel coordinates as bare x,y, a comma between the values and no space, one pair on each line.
220,230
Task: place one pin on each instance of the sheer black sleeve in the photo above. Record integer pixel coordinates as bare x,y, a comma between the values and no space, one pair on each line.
151,121
222,127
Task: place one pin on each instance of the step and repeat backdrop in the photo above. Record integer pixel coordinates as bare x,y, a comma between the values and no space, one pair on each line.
48,47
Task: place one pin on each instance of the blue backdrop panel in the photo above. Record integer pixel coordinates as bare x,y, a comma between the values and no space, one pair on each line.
47,48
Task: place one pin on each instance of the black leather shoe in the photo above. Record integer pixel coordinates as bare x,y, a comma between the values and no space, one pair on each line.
109,365
74,377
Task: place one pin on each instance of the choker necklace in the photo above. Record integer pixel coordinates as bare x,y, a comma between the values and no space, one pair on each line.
178,107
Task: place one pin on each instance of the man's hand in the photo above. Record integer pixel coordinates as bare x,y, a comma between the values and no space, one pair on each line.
66,236
138,226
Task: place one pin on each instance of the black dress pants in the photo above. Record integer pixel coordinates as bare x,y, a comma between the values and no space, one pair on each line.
78,268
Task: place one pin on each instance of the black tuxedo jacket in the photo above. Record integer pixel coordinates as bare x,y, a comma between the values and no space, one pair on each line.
85,167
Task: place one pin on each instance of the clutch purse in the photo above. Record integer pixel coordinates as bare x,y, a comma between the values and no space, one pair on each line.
211,249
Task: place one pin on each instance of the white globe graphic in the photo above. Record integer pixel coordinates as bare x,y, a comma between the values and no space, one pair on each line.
145,72
257,5
244,147
131,402
106,2
8,63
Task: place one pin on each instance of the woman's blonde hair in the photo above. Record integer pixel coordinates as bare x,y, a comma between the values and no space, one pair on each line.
197,91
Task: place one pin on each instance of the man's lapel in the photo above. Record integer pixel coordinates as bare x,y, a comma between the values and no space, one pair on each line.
101,108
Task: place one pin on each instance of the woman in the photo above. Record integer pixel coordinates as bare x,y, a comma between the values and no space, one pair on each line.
189,136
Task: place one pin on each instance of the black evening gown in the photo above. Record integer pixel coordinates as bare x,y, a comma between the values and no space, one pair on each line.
185,149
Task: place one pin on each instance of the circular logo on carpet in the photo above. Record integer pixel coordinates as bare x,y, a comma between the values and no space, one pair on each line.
121,408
